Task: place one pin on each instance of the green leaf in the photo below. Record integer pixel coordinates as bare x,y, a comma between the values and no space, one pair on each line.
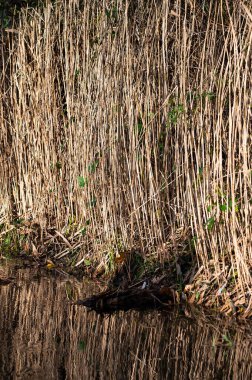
210,223
82,181
114,12
81,345
223,207
69,291
17,222
226,339
87,262
174,114
209,95
93,166
197,296
194,241
7,240
180,108
139,128
58,165
83,231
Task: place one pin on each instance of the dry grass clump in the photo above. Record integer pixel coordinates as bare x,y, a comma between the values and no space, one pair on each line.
130,122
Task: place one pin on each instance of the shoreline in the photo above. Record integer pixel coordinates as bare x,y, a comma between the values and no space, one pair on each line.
129,270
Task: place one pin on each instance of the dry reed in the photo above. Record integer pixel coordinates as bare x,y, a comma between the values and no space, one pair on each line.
130,123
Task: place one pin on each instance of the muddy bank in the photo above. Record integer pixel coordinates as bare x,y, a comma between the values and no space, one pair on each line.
134,285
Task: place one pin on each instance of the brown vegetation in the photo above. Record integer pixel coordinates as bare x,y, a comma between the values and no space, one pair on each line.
127,125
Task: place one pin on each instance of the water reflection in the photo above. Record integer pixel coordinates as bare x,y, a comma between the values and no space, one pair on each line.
43,336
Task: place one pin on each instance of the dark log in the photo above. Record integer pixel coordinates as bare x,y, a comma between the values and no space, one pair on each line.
131,299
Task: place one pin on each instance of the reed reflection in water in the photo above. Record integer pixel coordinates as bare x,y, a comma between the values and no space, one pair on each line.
44,336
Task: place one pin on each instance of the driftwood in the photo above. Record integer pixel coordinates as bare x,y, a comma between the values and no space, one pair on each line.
131,299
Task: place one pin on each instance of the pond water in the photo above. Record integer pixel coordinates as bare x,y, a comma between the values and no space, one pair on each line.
44,336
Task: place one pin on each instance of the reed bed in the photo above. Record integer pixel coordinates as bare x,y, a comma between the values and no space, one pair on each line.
127,124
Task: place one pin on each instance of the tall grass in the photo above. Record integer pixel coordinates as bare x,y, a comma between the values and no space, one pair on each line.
132,120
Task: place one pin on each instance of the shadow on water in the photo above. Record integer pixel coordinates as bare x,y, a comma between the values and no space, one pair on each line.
44,336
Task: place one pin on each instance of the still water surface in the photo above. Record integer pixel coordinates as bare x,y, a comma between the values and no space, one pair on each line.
44,336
